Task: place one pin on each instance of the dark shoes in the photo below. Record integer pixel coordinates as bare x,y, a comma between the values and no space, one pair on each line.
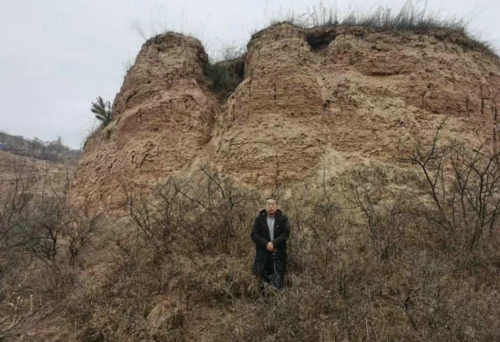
273,279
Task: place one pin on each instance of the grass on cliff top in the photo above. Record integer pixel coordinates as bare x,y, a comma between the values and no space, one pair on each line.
409,19
225,73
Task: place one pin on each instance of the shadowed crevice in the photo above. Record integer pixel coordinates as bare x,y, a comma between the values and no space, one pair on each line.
319,40
225,76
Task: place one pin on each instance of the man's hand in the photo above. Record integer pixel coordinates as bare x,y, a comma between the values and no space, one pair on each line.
270,247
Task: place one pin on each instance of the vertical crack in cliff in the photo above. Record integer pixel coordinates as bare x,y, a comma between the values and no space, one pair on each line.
225,76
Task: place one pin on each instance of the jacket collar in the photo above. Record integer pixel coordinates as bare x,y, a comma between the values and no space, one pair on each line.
263,213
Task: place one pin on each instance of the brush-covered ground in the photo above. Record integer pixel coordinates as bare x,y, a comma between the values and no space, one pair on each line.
378,253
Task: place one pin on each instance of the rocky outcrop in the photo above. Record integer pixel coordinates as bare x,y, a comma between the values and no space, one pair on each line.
312,101
163,116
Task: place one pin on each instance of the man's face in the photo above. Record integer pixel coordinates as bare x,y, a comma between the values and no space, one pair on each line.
271,208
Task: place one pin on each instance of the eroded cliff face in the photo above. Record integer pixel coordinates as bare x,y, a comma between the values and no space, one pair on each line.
163,117
312,102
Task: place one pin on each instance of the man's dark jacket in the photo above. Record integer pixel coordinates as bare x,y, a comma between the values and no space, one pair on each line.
261,236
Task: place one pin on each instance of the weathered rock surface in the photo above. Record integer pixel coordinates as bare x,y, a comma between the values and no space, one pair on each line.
311,101
163,117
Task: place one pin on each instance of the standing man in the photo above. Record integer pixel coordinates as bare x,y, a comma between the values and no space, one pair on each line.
270,232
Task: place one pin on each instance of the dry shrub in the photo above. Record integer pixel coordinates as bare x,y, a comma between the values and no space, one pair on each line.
369,259
378,253
37,248
189,242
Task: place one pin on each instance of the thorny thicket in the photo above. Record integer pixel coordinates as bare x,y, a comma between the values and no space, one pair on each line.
41,239
189,240
379,253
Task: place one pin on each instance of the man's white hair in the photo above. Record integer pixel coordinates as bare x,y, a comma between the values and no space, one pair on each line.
270,200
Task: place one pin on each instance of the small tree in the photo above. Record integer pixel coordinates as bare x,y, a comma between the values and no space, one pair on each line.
463,186
102,110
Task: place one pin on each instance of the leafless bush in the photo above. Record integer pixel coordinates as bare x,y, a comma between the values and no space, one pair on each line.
385,276
434,243
463,186
80,227
15,198
207,212
378,253
367,261
190,240
35,226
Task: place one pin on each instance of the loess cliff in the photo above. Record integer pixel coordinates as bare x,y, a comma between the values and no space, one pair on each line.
309,102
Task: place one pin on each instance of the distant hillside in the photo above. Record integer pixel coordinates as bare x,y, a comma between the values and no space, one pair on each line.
45,150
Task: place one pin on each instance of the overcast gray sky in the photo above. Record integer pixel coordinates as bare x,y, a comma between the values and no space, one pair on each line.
59,55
